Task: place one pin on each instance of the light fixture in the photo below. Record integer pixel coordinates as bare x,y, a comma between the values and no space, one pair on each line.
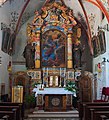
106,27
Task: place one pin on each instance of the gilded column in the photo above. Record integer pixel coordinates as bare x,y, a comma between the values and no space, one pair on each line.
69,50
37,50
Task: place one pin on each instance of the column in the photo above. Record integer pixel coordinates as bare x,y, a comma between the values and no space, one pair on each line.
69,51
37,54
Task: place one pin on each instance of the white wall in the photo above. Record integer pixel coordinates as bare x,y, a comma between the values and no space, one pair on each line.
103,76
4,75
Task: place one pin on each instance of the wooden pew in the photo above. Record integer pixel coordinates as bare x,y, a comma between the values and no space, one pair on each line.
104,117
21,105
100,115
5,117
11,108
89,111
82,106
11,114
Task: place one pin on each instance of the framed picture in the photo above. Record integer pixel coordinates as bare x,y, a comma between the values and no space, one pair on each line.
5,39
96,46
101,37
71,75
2,88
11,44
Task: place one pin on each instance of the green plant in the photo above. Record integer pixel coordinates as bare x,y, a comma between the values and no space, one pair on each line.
30,99
71,86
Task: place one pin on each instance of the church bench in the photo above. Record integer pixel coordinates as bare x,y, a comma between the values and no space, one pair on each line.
21,105
11,108
11,114
104,117
82,105
88,114
100,115
5,117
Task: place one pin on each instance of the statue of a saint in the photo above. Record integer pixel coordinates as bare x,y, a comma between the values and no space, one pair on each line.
77,53
29,55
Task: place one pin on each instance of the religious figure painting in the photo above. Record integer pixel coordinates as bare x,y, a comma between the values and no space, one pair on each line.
101,36
53,48
96,46
5,39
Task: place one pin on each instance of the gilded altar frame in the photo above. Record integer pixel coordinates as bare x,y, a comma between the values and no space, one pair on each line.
54,16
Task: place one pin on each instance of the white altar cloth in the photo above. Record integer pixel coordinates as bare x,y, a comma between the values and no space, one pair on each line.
52,91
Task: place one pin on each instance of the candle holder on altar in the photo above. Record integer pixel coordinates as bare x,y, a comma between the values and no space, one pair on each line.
45,77
63,75
42,87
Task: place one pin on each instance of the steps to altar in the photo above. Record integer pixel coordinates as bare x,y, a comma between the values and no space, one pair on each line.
42,115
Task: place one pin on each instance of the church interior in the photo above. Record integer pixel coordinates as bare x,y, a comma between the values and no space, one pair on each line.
54,60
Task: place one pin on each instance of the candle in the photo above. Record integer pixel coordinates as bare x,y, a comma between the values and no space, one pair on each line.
43,72
47,71
64,71
60,71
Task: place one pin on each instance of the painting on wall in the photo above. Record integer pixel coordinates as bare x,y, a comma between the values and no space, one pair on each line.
11,44
96,46
2,88
101,36
5,39
53,48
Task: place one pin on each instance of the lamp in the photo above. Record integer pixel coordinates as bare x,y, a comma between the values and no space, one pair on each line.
106,27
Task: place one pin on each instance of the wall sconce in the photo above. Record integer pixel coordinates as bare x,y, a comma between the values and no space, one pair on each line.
106,27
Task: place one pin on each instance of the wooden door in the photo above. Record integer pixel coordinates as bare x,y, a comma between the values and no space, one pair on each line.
85,89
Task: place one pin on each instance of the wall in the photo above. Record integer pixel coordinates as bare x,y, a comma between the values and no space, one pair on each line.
4,75
103,76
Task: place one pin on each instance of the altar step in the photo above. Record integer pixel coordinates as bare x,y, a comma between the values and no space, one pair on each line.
41,115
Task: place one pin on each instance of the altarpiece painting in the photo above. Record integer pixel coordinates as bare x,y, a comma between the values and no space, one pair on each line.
53,48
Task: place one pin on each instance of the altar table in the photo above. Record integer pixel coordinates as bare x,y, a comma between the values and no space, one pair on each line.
52,91
54,99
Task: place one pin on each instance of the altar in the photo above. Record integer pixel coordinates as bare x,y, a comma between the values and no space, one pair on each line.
53,63
54,99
